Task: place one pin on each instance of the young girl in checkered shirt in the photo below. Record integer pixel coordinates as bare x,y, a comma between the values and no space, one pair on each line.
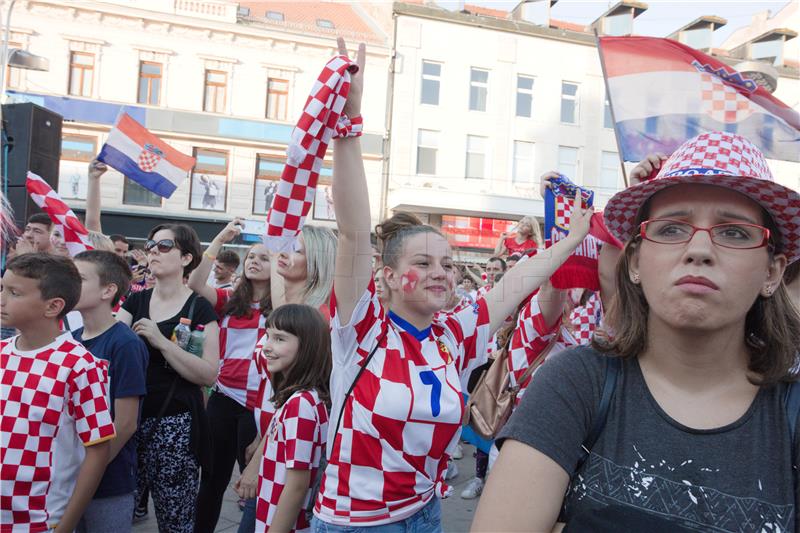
402,421
297,350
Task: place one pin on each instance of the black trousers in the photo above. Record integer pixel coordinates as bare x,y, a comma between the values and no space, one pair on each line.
233,428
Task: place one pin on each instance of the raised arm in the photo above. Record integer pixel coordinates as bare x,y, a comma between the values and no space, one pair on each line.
96,171
351,201
198,279
527,276
500,249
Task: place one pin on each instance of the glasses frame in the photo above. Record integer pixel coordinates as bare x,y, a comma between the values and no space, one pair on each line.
695,229
170,244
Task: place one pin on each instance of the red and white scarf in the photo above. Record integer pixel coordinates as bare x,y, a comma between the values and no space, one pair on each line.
76,236
320,121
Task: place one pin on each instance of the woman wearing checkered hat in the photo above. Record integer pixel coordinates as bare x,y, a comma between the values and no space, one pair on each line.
395,423
699,430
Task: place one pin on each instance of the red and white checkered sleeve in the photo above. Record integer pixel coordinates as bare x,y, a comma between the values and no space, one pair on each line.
531,337
301,431
470,327
351,343
88,399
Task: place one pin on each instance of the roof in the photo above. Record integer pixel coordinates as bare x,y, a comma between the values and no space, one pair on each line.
776,32
304,16
716,23
638,8
564,25
485,11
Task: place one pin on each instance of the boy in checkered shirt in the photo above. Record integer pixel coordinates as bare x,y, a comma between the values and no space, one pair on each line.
55,424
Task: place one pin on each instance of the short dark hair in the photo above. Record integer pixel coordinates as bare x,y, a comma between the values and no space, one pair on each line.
503,265
116,237
57,276
40,218
229,258
186,240
111,268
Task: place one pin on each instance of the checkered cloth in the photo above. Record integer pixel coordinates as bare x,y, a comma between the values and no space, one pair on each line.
722,159
76,236
403,420
320,121
295,440
54,403
263,408
722,102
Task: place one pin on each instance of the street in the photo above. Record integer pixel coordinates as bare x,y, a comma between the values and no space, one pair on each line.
456,512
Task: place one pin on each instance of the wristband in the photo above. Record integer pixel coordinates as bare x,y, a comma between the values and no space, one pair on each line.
349,126
212,257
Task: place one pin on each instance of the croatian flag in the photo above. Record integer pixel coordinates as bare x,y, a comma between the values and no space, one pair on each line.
663,93
144,158
76,236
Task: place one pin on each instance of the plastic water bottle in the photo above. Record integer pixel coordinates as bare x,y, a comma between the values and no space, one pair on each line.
196,338
182,333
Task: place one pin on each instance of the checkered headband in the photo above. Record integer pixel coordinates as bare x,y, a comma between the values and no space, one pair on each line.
722,159
76,236
320,121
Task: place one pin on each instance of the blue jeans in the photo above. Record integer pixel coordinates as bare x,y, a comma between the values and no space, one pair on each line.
248,522
426,520
107,515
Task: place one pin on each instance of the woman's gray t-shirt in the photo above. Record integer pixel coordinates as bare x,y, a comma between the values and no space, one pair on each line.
734,478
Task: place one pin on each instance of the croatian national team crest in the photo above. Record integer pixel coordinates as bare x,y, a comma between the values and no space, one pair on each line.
149,157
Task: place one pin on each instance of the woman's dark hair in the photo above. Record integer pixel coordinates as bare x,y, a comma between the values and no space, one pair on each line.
312,366
186,240
393,232
241,299
772,325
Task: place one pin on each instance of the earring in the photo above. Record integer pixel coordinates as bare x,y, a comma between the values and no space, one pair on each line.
635,278
768,292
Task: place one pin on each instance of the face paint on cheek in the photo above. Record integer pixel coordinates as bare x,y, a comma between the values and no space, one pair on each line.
409,280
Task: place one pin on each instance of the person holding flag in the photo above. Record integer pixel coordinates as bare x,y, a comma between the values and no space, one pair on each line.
701,345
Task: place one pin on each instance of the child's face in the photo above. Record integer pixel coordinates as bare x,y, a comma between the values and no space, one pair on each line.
280,350
21,302
92,292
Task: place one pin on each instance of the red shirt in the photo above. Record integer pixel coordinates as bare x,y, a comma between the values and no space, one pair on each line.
514,247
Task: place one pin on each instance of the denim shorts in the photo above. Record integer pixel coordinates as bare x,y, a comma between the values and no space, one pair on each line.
426,520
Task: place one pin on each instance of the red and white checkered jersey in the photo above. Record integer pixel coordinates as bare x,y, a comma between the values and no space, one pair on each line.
238,375
532,336
264,408
295,439
403,419
55,402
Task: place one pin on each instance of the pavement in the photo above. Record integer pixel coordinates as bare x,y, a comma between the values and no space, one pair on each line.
457,513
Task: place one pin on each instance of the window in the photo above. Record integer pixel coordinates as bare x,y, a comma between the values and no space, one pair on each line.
608,120
476,156
431,78
73,174
268,174
13,74
524,96
209,180
568,163
81,73
768,49
698,38
277,98
325,23
621,24
609,170
478,87
149,83
427,147
275,15
216,86
135,194
523,171
569,102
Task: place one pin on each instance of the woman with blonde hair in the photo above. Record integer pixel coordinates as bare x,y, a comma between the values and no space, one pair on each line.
664,425
528,235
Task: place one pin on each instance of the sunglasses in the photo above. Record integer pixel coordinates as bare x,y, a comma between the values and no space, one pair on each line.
164,245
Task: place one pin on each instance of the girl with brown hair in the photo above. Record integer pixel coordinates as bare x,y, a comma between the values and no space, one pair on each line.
706,339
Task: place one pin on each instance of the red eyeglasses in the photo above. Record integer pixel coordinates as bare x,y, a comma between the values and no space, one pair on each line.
737,235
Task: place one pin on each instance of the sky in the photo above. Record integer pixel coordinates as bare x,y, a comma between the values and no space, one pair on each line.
663,16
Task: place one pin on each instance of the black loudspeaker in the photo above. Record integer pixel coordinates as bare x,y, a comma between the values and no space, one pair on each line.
33,135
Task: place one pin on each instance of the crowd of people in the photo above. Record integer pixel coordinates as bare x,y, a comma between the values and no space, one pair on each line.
334,375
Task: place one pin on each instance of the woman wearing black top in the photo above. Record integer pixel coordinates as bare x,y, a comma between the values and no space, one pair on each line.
173,435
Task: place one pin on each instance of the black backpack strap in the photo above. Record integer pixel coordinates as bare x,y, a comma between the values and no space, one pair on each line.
613,369
792,403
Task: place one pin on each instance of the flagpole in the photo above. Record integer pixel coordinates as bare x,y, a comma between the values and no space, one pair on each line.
611,107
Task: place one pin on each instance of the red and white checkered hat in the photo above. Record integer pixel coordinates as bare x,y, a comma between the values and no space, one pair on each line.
716,158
